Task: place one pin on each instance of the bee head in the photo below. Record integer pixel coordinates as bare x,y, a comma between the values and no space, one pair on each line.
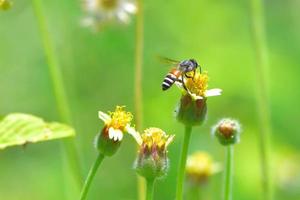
193,62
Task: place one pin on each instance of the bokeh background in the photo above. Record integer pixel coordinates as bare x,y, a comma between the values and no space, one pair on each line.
98,72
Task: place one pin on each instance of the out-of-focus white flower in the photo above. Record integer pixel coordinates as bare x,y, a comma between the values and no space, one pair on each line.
101,12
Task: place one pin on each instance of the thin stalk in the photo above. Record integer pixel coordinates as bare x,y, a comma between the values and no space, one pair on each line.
150,189
139,52
228,173
183,157
91,176
262,66
193,192
59,91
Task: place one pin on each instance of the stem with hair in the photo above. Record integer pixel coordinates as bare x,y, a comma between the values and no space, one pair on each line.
139,47
91,176
150,189
183,157
59,91
228,173
260,44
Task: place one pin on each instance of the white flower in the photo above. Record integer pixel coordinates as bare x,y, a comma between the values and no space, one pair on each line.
100,12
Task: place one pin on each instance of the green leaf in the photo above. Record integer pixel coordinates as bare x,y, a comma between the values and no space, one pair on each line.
20,129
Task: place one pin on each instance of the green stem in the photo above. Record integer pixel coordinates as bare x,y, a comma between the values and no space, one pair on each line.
228,173
91,176
139,51
183,157
150,189
260,44
193,192
59,91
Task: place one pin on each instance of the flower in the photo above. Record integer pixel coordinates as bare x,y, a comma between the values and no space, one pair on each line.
200,167
192,108
227,131
116,124
100,12
5,4
152,161
197,86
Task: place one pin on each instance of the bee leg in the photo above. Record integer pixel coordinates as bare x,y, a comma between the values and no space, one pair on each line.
195,73
183,85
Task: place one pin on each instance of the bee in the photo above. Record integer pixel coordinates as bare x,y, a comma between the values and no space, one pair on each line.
180,70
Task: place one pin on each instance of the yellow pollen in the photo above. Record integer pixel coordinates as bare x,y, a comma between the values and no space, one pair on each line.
199,164
120,118
198,84
155,136
108,4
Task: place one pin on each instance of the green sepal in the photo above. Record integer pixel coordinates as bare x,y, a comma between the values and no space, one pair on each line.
151,165
191,112
105,145
227,140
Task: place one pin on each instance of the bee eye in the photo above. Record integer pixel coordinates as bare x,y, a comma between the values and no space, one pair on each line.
194,62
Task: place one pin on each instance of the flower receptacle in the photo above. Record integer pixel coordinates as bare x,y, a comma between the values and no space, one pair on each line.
105,145
191,112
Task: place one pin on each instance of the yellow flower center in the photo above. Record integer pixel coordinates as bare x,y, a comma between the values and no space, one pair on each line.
198,84
155,136
199,164
120,118
108,4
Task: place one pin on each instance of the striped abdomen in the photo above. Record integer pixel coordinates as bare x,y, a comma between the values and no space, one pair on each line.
170,79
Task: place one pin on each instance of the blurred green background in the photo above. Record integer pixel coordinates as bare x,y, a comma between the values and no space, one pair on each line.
98,71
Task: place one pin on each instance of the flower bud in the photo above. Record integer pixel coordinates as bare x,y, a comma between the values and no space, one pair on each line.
227,131
152,161
191,112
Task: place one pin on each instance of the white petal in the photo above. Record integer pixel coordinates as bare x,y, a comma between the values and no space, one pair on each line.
120,136
129,7
87,21
104,117
213,92
115,134
111,132
194,96
217,167
170,139
136,135
123,16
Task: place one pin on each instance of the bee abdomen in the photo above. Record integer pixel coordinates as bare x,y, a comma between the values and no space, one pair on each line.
168,81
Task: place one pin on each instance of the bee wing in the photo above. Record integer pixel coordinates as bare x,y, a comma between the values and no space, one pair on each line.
168,60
